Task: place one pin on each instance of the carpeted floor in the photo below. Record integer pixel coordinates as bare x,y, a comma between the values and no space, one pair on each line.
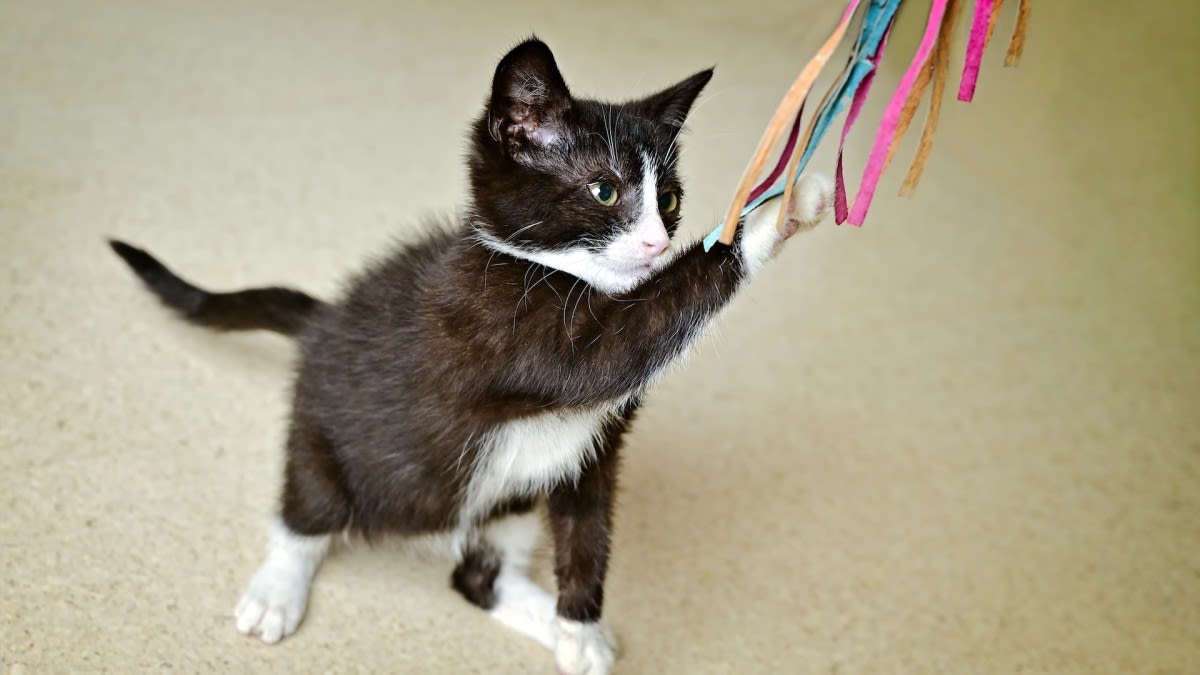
963,439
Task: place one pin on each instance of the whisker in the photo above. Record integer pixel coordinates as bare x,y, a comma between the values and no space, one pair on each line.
524,296
488,266
550,286
516,234
564,309
586,291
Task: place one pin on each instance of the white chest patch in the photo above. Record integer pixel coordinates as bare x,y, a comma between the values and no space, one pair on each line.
527,456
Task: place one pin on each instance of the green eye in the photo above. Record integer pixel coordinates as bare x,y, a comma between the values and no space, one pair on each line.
668,202
604,192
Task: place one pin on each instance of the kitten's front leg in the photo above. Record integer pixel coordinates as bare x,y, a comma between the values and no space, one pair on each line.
581,520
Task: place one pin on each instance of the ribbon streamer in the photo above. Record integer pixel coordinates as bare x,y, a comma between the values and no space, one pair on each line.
940,70
1017,45
839,184
930,65
787,108
979,30
891,118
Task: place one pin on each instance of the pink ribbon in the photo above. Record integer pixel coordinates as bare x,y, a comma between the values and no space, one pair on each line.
891,117
856,104
975,46
784,156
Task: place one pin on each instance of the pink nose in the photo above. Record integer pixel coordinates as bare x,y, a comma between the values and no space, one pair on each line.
655,247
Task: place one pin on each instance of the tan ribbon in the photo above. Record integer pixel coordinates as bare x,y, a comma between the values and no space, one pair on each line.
1017,45
940,70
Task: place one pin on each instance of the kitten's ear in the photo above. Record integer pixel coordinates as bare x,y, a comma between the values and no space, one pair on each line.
671,105
529,99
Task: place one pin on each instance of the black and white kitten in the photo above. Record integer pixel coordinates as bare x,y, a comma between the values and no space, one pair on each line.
498,362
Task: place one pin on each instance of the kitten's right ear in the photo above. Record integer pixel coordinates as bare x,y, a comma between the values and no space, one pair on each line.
529,100
672,105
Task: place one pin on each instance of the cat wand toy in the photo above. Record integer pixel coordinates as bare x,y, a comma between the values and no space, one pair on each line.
930,64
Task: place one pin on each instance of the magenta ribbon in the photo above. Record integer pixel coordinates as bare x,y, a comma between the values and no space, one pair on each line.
891,117
975,45
860,96
784,156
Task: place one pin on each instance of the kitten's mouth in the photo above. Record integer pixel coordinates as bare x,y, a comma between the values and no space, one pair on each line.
638,270
632,266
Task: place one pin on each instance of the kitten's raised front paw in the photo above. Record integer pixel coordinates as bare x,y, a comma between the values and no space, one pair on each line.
811,201
584,648
273,604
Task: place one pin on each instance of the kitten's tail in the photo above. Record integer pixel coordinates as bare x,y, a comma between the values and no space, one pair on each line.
282,310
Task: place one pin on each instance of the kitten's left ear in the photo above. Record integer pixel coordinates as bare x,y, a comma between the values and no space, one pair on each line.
529,100
671,105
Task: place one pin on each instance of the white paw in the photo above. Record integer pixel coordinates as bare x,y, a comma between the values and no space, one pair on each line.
272,605
525,607
275,599
584,648
811,201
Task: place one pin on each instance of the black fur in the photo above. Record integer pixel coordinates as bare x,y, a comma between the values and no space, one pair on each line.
282,310
475,576
431,349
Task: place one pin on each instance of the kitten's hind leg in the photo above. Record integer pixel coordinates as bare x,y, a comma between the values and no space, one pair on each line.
492,576
315,505
276,598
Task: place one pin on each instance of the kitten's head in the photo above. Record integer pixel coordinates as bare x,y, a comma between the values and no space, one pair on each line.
583,186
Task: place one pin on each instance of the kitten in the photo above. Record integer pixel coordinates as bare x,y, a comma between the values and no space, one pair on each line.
498,362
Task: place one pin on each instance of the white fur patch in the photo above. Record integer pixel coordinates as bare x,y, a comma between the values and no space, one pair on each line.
521,604
277,596
811,201
516,536
812,198
594,269
584,648
527,456
759,236
525,607
631,248
651,222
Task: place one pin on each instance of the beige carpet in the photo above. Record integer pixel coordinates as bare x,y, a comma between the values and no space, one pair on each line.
963,439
